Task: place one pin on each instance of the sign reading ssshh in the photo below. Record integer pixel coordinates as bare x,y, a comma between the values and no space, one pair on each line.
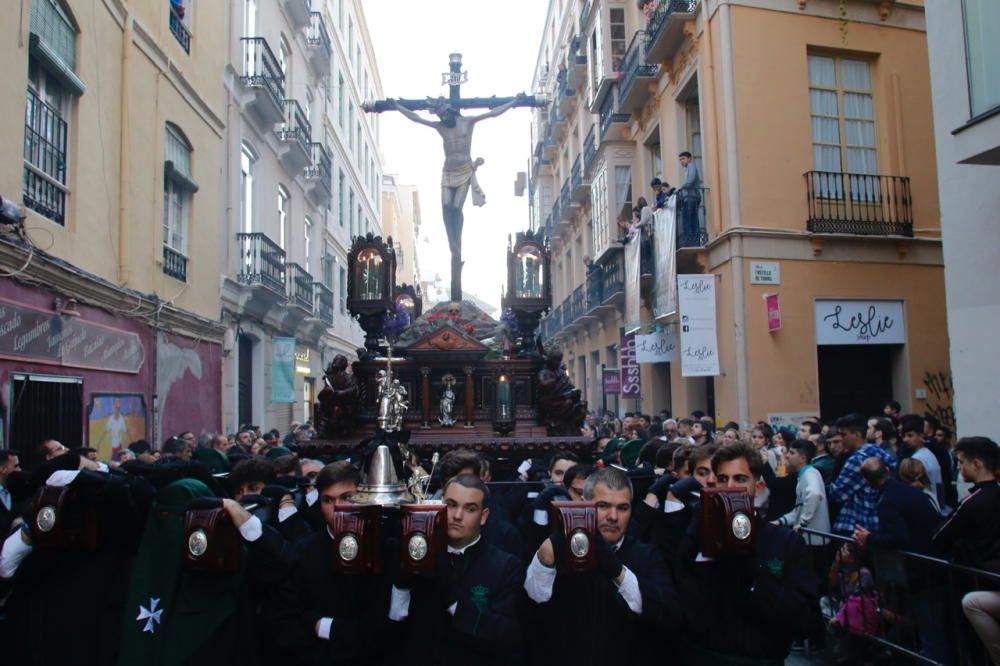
631,381
47,337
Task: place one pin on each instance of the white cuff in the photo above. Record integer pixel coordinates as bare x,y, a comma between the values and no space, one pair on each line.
399,604
311,497
539,581
629,589
541,517
286,512
524,466
101,467
13,553
252,529
323,630
452,609
62,477
670,506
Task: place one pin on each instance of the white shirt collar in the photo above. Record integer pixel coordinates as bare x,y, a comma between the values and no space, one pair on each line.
460,551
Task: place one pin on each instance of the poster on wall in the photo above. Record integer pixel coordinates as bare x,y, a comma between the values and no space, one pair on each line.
115,420
631,381
656,347
612,381
859,322
773,304
665,275
283,370
699,342
789,420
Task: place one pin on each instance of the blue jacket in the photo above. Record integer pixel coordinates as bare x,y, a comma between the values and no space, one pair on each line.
906,518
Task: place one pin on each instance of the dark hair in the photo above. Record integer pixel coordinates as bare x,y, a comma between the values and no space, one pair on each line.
287,464
787,436
738,450
337,472
812,427
765,430
685,153
641,203
85,450
453,462
685,421
139,446
805,447
612,477
563,455
946,430
911,423
665,455
932,420
485,463
656,182
5,455
701,453
893,405
647,454
852,423
250,470
822,443
979,448
575,472
175,446
469,481
697,414
885,426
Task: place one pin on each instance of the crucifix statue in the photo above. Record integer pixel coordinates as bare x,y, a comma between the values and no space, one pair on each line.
459,174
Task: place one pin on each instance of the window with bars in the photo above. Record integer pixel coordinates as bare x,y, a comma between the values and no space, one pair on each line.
284,209
843,117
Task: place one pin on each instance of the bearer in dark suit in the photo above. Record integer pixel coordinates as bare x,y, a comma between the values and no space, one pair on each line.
466,612
622,611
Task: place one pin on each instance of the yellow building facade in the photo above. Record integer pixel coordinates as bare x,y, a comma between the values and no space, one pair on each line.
813,137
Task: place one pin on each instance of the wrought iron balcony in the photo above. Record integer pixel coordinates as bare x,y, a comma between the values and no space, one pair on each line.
692,228
609,116
261,71
557,122
262,262
323,308
180,31
613,279
665,28
633,90
319,170
589,150
567,206
576,62
296,129
300,287
579,184
318,38
174,264
854,203
575,306
646,265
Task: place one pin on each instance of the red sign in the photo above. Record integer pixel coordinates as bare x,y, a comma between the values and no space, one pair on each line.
631,384
773,312
612,381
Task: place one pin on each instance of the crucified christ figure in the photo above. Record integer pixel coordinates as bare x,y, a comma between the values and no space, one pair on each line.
459,173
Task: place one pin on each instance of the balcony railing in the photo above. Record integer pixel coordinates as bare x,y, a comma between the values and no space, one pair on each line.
613,276
659,29
692,228
174,264
852,203
300,287
324,303
635,71
564,197
262,262
576,174
608,115
320,167
577,305
296,126
261,69
317,35
589,150
180,31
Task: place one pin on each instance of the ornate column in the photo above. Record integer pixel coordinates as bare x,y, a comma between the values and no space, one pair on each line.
470,396
425,397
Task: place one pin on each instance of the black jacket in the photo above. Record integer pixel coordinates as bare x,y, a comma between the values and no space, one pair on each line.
906,518
358,605
587,621
487,586
971,535
748,608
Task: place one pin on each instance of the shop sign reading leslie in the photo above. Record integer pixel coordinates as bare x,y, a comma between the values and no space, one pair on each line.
859,322
47,337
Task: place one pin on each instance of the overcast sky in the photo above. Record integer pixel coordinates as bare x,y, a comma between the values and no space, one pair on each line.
499,43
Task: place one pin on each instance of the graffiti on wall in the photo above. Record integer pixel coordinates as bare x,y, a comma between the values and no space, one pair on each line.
940,395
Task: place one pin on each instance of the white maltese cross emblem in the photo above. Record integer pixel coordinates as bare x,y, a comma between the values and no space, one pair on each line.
150,615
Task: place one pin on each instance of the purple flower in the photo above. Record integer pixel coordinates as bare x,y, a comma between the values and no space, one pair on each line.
510,319
394,324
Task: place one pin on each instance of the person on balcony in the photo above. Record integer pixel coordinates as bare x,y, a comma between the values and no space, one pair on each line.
689,196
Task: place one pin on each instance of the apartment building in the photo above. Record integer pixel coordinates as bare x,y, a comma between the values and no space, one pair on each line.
812,133
401,221
114,124
965,79
303,177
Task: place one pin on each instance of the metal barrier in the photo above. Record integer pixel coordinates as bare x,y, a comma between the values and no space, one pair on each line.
913,592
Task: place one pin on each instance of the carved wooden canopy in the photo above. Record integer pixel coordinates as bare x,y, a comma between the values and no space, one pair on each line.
446,338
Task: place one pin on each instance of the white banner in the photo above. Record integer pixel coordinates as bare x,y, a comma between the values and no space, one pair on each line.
699,342
664,257
658,347
632,271
859,322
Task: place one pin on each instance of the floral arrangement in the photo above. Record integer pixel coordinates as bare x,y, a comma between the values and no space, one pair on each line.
508,318
395,323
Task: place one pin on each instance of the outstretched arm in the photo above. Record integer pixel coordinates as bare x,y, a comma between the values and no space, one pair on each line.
493,113
412,115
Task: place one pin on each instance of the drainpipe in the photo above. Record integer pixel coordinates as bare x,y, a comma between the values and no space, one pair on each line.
124,162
